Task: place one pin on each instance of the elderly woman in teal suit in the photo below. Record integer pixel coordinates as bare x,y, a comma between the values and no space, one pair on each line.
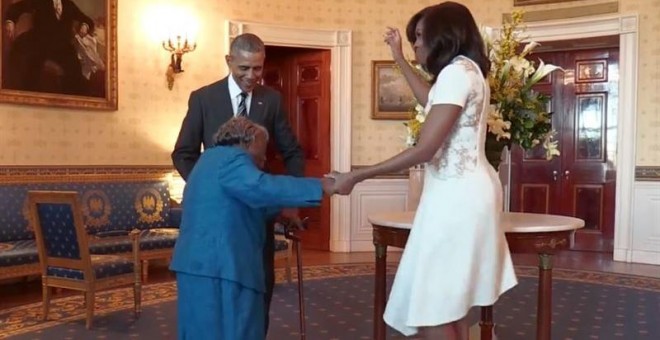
218,257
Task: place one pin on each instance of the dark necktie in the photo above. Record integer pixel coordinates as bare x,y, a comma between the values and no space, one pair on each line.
242,109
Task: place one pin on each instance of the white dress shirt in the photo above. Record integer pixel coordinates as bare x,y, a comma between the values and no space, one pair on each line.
235,95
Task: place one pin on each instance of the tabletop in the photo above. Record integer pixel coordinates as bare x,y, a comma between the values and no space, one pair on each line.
513,222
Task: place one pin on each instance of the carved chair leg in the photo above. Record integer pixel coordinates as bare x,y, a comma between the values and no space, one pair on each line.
137,296
89,302
145,270
46,291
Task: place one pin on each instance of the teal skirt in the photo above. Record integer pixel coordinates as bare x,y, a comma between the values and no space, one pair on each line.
212,308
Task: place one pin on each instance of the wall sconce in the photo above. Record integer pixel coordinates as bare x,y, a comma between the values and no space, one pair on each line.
177,51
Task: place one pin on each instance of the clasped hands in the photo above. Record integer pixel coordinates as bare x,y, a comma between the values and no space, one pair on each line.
332,183
338,183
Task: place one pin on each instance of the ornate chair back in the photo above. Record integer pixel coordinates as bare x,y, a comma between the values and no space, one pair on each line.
60,234
64,255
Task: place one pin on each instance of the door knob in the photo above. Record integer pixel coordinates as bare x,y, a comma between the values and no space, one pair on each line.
554,175
566,173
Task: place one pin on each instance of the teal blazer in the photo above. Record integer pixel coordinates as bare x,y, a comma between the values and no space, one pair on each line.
226,203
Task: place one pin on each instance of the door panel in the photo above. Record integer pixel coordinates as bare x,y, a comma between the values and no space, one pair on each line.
534,179
303,78
535,198
581,182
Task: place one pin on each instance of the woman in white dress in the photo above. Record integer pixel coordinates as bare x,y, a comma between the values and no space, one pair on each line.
456,256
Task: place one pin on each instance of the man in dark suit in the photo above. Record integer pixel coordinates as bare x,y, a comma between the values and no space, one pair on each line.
240,94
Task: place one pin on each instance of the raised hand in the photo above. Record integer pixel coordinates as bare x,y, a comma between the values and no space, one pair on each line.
292,216
392,38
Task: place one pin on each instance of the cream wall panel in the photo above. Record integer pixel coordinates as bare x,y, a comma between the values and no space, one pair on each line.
144,128
372,197
646,224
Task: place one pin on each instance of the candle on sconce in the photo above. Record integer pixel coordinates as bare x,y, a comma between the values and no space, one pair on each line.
177,49
176,29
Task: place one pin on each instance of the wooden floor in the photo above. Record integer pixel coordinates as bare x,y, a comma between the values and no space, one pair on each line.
19,292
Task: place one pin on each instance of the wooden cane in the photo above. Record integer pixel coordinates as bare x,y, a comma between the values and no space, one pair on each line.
301,295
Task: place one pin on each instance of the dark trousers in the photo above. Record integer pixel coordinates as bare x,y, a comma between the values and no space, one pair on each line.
269,267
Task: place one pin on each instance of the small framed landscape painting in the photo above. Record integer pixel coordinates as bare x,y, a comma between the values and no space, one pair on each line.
391,97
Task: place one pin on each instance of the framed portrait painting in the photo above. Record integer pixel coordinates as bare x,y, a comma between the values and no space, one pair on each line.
60,53
391,97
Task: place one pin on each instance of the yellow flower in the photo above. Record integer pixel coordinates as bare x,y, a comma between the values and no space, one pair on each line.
497,125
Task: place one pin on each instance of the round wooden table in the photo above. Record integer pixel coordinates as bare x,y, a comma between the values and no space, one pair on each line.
540,234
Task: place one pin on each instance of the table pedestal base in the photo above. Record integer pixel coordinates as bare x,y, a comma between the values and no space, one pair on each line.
544,305
486,324
545,244
379,291
543,309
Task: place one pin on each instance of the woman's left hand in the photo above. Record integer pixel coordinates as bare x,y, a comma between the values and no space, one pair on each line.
392,38
344,182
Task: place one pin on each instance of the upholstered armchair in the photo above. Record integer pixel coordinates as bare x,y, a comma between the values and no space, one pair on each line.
64,256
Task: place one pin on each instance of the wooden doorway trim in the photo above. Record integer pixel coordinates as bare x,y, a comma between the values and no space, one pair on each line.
339,42
626,26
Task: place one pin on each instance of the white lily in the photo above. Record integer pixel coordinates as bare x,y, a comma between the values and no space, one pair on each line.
542,71
530,47
550,146
488,34
521,66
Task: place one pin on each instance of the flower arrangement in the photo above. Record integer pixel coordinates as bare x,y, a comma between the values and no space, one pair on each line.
414,125
417,114
517,114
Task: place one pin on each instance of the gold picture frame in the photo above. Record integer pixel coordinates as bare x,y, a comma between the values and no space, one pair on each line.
538,2
69,62
391,97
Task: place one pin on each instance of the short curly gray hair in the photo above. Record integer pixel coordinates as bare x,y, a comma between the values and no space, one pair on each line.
238,131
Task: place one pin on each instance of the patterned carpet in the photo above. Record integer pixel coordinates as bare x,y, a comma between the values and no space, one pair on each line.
587,305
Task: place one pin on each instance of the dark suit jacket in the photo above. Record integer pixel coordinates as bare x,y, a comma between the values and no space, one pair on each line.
226,203
210,106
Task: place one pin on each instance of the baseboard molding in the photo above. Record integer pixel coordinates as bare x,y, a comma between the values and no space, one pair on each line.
368,246
646,257
622,255
337,246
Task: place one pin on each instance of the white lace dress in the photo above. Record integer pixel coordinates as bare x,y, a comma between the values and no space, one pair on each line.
456,256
